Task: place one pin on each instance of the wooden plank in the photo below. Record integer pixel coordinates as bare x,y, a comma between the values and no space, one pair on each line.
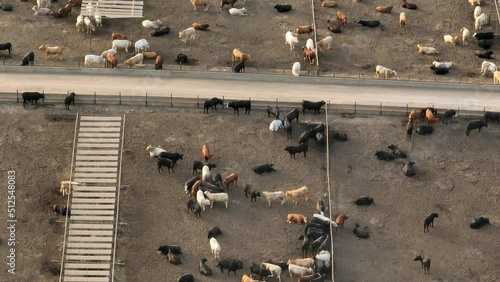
91,232
85,279
107,239
93,195
92,218
99,118
93,207
96,152
89,245
98,140
95,174
84,3
95,201
91,212
97,145
90,226
95,180
77,257
94,169
100,123
96,164
87,265
96,158
94,189
87,273
89,251
99,129
98,135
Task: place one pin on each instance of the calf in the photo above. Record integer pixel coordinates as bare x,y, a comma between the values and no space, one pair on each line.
247,104
408,169
28,59
340,221
429,220
493,116
426,263
253,194
32,96
165,162
363,201
478,222
212,103
475,124
174,157
308,105
425,129
69,99
292,150
230,265
260,169
448,115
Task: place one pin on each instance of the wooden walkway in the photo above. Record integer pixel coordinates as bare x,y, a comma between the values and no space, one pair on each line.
89,246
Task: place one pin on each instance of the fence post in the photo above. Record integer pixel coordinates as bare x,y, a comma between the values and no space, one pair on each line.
458,112
406,109
120,97
223,103
4,60
198,101
17,95
380,108
354,107
277,103
171,101
95,100
146,99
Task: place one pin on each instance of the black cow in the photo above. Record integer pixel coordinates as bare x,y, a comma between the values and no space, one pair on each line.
28,59
171,156
69,99
493,116
273,111
369,23
320,128
478,222
204,269
424,110
475,124
253,193
188,277
239,67
247,104
304,248
383,155
211,103
293,114
292,150
429,220
288,128
214,231
197,165
165,249
230,265
305,136
408,169
217,179
308,105
189,184
448,115
6,7
484,55
484,35
32,96
317,242
61,210
173,258
165,162
409,129
363,201
160,31
485,43
339,136
6,46
283,8
260,169
439,70
257,270
425,129
193,206
323,269
181,59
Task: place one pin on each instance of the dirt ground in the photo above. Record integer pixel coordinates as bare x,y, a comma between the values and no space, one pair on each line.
356,51
457,177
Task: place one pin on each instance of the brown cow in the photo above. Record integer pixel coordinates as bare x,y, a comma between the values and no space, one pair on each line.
111,59
116,35
205,153
384,10
232,178
341,18
199,26
308,54
296,218
159,63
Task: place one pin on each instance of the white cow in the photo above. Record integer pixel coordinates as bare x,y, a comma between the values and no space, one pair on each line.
386,72
151,24
310,44
480,21
113,52
215,247
89,25
291,39
123,44
94,60
446,65
41,11
296,69
140,45
488,67
200,198
217,197
80,24
325,43
188,33
238,12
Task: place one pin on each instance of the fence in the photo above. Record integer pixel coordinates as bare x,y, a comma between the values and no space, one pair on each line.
186,102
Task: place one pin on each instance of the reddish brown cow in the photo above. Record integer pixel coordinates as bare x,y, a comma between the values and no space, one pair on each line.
111,60
205,153
159,63
232,178
341,18
308,54
199,26
116,35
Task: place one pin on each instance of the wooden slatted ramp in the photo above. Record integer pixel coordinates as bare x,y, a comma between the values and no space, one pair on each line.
112,8
89,246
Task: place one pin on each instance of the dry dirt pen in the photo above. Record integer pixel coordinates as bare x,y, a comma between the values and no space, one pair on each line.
355,53
457,177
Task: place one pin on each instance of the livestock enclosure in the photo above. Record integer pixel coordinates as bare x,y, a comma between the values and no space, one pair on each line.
355,53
